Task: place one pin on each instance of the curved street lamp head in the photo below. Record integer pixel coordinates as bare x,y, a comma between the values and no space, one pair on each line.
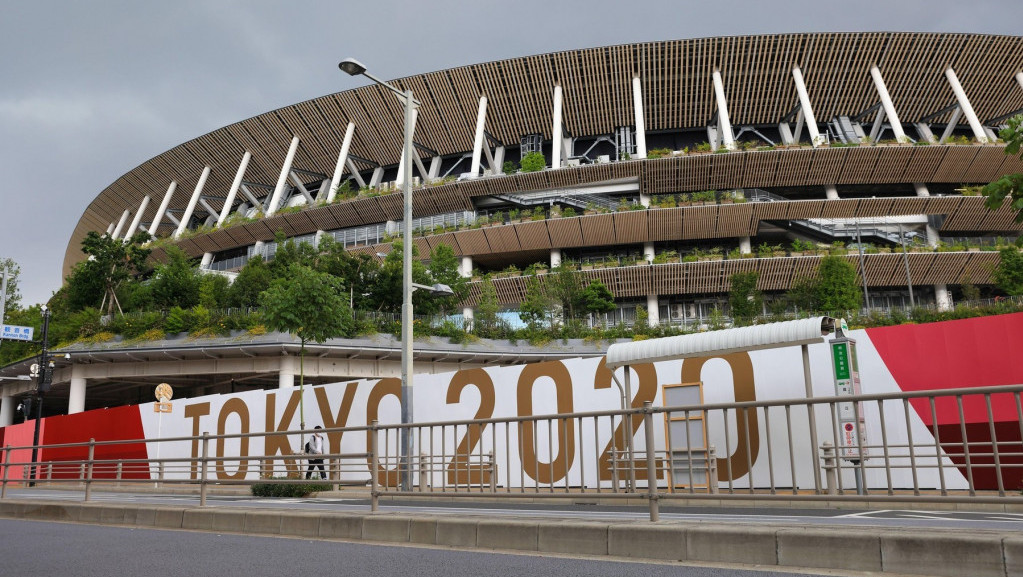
352,66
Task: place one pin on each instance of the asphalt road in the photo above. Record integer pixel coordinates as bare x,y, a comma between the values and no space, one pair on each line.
32,548
962,520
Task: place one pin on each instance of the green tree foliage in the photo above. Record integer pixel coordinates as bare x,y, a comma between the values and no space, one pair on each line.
486,323
12,351
387,286
252,280
596,298
444,269
357,272
537,309
1009,186
290,252
96,281
533,162
310,305
176,282
13,300
1009,272
837,289
565,287
803,293
213,290
744,299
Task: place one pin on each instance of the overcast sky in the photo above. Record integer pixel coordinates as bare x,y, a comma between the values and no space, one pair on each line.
90,90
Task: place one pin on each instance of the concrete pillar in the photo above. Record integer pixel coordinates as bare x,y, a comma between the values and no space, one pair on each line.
831,192
120,225
745,245
466,269
400,179
286,376
556,139
7,410
652,310
637,105
964,104
76,395
555,257
467,318
804,105
648,251
886,102
282,180
192,202
235,185
723,120
921,189
110,228
134,227
477,143
942,298
207,260
342,160
644,199
1019,79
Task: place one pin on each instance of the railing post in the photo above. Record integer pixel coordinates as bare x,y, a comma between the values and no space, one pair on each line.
88,469
159,481
374,468
712,471
423,478
7,466
492,468
651,461
830,470
205,467
49,472
120,471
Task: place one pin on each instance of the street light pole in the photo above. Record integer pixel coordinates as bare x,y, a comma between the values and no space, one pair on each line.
905,261
42,385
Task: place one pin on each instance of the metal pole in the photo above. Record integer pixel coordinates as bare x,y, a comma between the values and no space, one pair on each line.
810,410
905,260
88,469
374,468
630,453
651,461
3,294
406,302
7,466
863,269
205,464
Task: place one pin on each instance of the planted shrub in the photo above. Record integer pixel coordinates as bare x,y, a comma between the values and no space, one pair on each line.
270,488
533,162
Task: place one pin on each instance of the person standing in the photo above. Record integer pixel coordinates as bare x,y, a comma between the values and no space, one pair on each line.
315,447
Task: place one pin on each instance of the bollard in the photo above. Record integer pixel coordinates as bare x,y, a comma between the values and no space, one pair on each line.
374,467
7,460
205,468
712,471
88,474
651,461
830,470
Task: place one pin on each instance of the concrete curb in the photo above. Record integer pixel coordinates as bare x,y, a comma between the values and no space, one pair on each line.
905,552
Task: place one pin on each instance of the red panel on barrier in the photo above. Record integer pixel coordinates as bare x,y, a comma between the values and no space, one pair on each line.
116,424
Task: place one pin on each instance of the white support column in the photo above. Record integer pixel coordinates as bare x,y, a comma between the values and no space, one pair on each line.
942,298
435,164
723,121
1019,79
235,185
120,225
134,227
498,160
648,252
76,394
637,105
377,176
964,104
804,106
282,180
797,132
786,133
466,269
355,173
110,228
342,159
921,189
192,202
400,179
7,404
477,143
745,245
925,132
467,318
286,374
555,257
557,140
652,310
831,192
886,102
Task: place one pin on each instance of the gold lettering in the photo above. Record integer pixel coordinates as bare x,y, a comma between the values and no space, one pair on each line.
238,407
460,471
194,412
647,392
341,420
389,386
279,443
557,468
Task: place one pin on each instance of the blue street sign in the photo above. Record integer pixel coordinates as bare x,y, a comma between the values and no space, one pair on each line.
15,333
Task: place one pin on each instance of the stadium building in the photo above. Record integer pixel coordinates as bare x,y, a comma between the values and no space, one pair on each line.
670,166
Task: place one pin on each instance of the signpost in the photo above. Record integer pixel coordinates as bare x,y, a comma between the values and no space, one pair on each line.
164,393
851,425
15,333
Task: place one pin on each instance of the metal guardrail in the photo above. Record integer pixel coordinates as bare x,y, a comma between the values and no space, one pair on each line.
590,453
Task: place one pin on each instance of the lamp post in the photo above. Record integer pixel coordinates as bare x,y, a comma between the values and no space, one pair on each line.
355,68
905,261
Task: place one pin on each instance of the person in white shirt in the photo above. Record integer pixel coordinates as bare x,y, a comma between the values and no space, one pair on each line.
315,447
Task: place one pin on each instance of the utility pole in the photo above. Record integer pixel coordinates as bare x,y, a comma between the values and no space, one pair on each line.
42,386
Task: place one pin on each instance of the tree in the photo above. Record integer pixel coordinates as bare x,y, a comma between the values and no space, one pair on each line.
536,308
95,281
252,280
486,323
213,290
744,298
387,287
357,272
1009,186
596,298
1009,272
176,282
533,162
837,289
309,305
444,269
803,293
13,300
564,286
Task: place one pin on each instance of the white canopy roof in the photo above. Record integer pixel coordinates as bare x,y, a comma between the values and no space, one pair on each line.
769,336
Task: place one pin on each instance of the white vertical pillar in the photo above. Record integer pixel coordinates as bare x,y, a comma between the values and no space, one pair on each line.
467,318
282,180
342,159
648,247
556,138
286,375
110,228
1019,79
652,310
192,202
400,179
466,269
134,227
886,102
76,394
477,143
831,192
804,105
120,225
745,245
555,257
7,411
942,298
921,189
723,120
637,105
964,104
235,185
